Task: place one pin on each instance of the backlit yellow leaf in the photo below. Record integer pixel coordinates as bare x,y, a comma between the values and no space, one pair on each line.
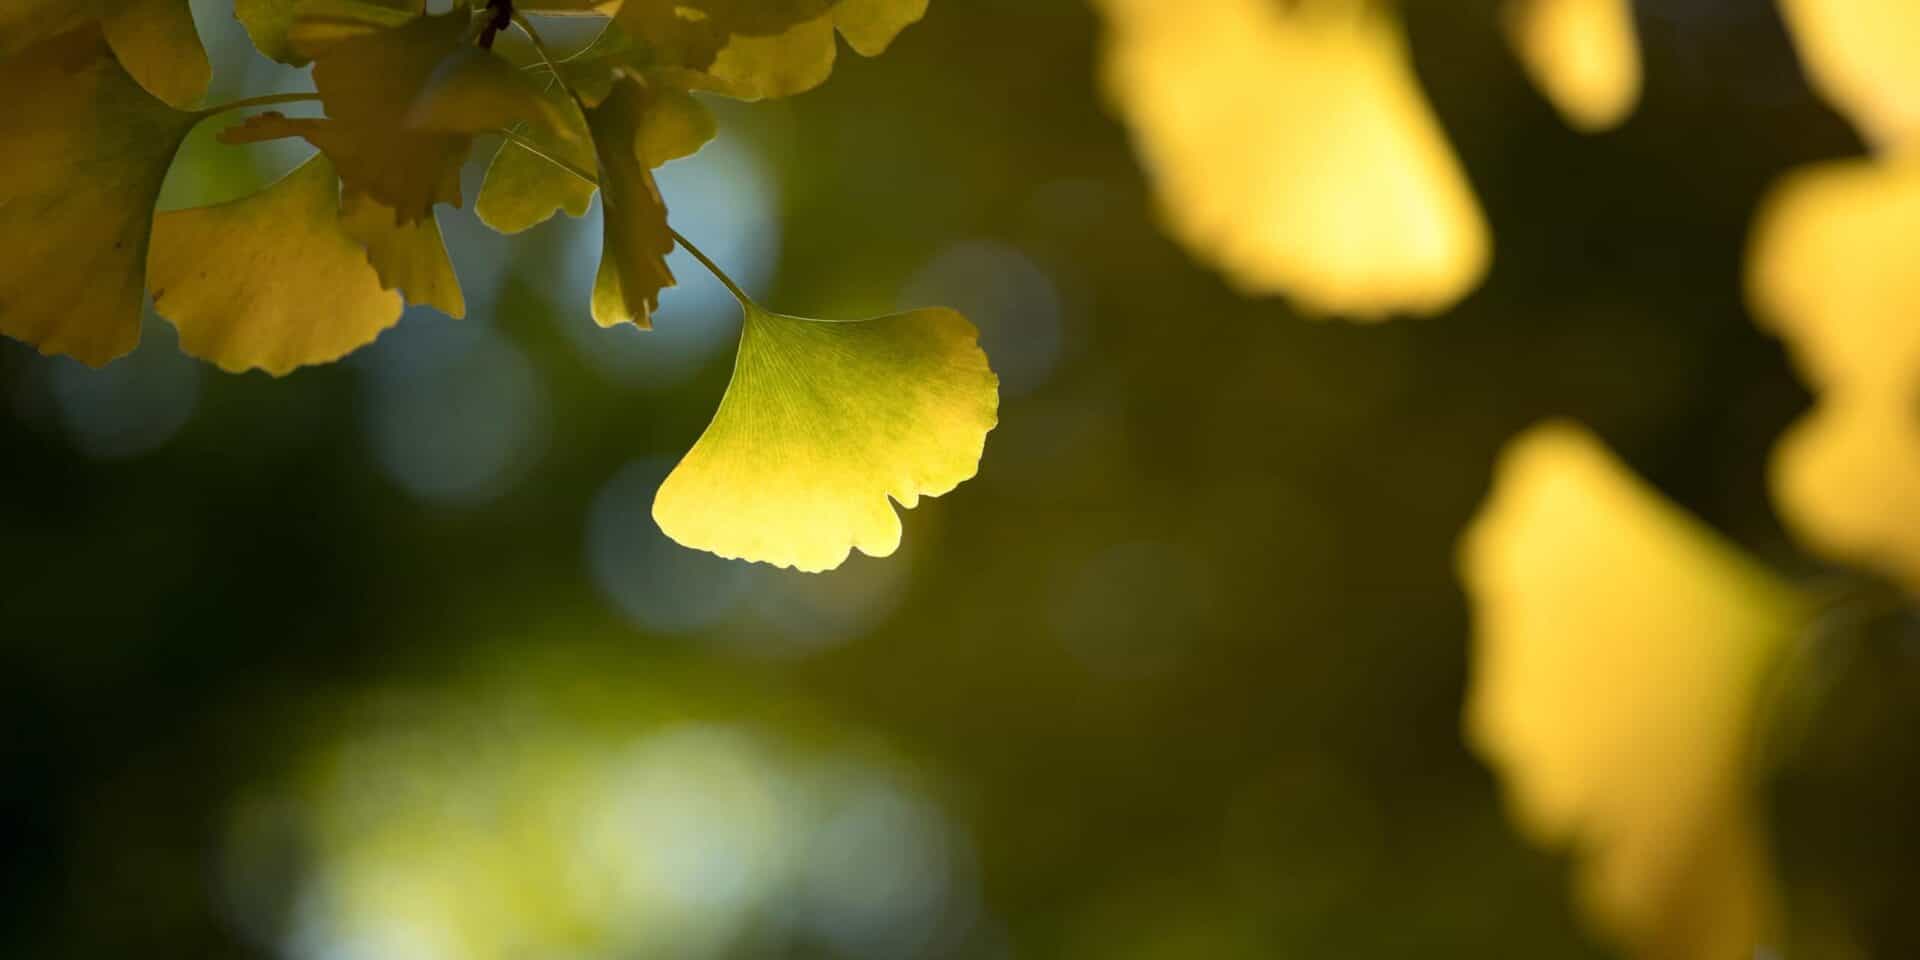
277,30
271,281
1619,653
1291,145
1835,272
83,151
1860,55
821,425
1584,55
522,189
159,46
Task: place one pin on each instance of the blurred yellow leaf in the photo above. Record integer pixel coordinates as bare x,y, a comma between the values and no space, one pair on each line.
24,23
822,423
1619,653
1584,55
633,259
1291,146
1860,55
275,26
272,280
83,151
1834,271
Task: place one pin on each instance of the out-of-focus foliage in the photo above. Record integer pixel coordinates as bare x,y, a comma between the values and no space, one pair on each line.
1859,53
1583,54
1291,145
1620,655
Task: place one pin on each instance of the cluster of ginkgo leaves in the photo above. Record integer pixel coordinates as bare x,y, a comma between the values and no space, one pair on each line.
823,421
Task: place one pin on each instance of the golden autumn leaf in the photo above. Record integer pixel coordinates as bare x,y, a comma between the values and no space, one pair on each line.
1833,270
408,257
523,189
1584,55
273,280
1291,146
85,152
821,425
277,30
1859,55
1619,653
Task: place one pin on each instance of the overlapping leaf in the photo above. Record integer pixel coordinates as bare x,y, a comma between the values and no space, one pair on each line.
1619,652
155,40
83,151
275,280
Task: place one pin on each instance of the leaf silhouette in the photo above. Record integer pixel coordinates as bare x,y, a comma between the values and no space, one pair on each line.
85,152
822,423
272,281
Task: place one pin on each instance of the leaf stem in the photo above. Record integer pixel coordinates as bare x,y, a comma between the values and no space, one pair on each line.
705,261
746,302
269,100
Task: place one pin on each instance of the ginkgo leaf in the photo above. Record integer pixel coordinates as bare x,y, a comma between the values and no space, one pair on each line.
633,264
83,152
523,189
1290,145
1619,653
1859,55
1834,271
291,31
272,281
691,33
408,257
751,65
25,23
821,425
403,105
1584,55
159,46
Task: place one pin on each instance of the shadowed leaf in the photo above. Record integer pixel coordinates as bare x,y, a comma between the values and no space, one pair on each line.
83,152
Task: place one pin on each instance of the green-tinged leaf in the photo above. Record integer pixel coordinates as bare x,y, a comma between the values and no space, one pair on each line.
159,46
522,189
272,281
748,63
633,260
83,151
409,257
822,424
291,31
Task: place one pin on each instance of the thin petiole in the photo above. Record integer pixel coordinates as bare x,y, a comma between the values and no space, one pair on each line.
269,100
584,176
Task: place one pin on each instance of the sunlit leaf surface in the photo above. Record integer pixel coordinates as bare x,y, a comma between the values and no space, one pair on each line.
822,424
271,281
1834,270
1292,147
409,257
83,151
1860,54
276,28
1584,55
159,46
1619,653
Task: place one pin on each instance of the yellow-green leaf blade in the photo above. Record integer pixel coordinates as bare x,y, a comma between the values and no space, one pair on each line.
633,265
271,281
83,152
822,424
409,257
159,46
